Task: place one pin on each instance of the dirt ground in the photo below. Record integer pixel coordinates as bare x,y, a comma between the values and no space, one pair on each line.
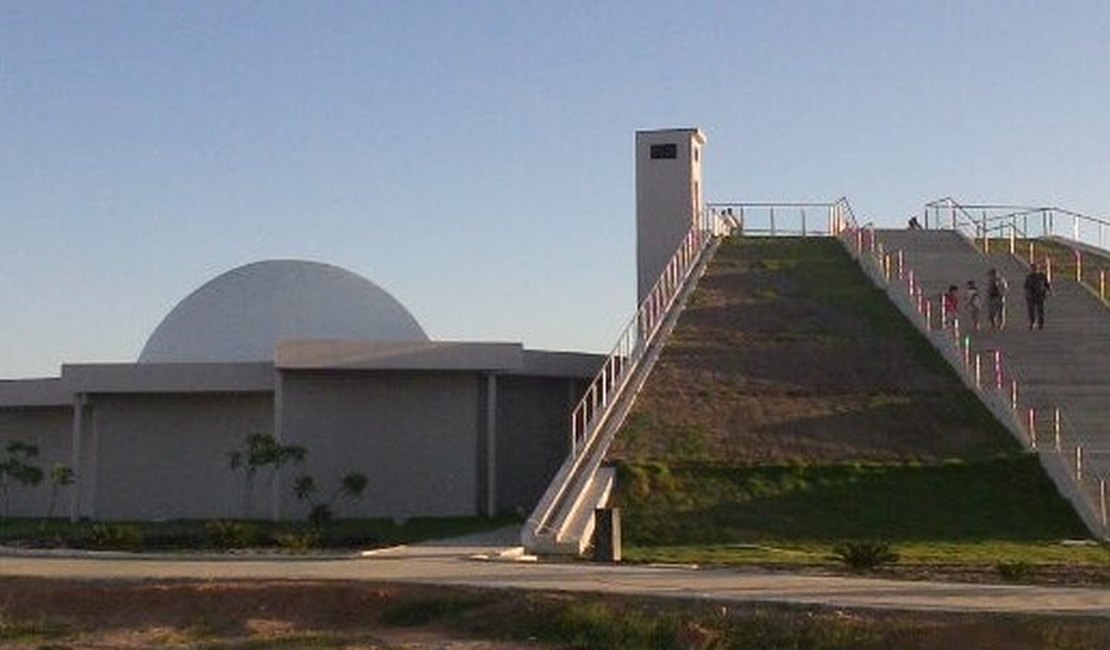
40,614
56,615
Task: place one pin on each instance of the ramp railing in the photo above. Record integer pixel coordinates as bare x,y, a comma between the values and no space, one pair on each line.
593,411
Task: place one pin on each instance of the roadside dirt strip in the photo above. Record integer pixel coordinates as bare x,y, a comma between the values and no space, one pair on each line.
482,566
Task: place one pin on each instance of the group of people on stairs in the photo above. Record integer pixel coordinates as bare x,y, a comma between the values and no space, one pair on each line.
1037,288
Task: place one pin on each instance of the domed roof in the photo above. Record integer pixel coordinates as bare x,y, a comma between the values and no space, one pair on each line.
242,314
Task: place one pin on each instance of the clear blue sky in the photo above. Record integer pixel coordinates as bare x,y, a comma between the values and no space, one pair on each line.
475,158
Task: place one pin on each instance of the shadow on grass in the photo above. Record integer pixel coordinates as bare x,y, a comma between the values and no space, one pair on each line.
1003,498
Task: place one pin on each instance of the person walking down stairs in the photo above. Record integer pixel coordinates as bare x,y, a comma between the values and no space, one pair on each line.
974,303
996,299
1037,289
950,300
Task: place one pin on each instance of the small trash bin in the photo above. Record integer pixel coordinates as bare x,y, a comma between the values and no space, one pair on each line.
607,534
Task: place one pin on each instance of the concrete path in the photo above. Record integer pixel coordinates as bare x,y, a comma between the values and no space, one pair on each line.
454,563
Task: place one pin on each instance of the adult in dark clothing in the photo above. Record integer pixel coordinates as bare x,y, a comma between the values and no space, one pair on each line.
1036,289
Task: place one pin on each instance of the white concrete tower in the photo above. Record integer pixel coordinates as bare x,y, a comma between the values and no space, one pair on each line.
668,197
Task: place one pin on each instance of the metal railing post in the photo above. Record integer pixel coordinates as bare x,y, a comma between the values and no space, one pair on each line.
1102,284
978,370
1078,265
1102,498
998,370
1078,463
1013,395
1056,426
1032,428
1048,267
803,222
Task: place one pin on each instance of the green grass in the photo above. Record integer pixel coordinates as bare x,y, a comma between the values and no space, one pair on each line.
423,611
27,631
1003,498
200,534
820,271
801,553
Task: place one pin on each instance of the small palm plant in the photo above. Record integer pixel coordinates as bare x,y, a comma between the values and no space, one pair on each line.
861,557
351,486
262,450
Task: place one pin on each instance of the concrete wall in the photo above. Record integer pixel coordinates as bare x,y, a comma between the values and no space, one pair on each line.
668,198
415,435
432,442
533,437
49,428
166,456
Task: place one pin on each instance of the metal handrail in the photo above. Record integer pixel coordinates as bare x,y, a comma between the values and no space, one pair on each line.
593,409
1081,224
782,219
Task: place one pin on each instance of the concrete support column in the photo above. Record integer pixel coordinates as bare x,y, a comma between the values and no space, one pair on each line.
279,437
79,401
491,445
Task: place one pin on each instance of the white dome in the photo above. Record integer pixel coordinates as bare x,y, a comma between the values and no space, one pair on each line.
242,314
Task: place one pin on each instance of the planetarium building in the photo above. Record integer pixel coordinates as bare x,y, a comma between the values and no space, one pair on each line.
315,356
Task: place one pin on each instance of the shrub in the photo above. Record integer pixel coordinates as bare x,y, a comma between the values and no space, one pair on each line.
1014,571
230,534
298,542
119,537
866,556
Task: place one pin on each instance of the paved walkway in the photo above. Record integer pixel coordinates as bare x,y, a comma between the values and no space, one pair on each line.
454,563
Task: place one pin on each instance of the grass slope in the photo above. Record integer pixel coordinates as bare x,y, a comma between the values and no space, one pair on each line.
787,353
795,403
1001,498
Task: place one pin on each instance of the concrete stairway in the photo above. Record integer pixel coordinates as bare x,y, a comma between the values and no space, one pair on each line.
1065,366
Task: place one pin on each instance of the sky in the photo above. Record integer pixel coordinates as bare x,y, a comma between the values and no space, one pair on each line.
475,157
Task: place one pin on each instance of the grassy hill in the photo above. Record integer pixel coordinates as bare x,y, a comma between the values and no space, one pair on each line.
794,403
787,353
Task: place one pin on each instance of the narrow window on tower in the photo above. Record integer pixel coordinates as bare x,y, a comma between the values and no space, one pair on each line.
664,151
